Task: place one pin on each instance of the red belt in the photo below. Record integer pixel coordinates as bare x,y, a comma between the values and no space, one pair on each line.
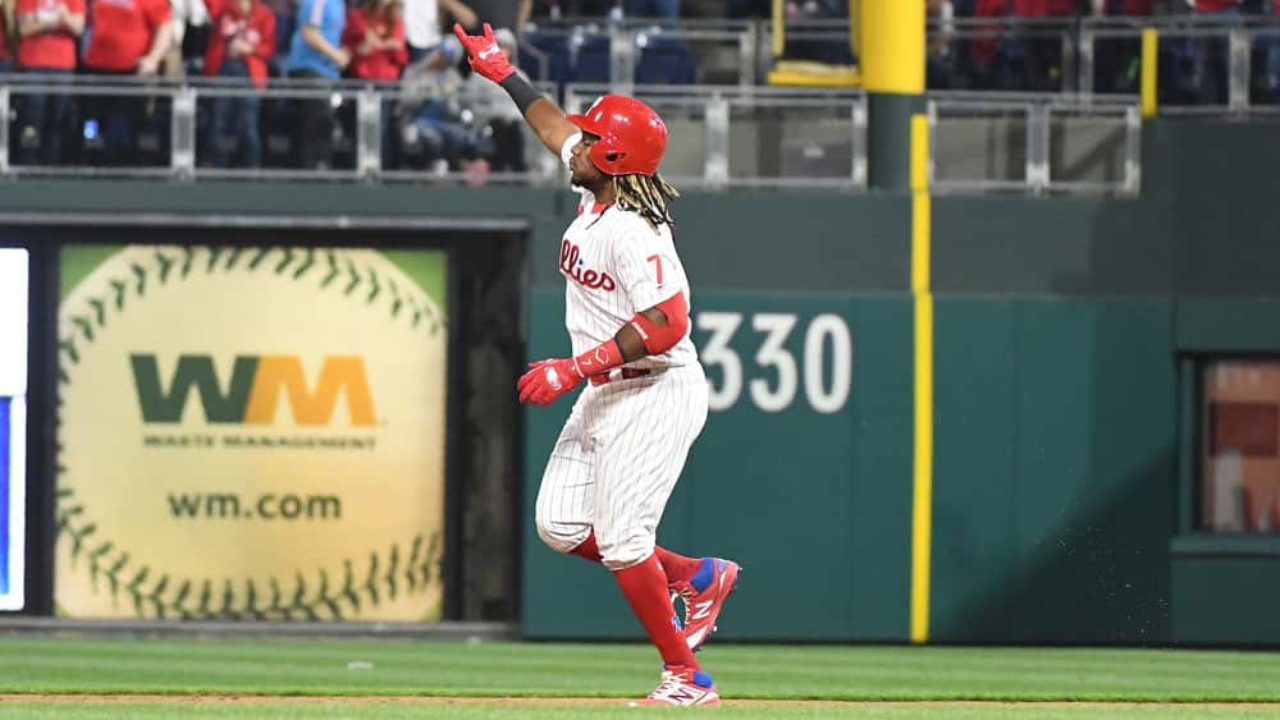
620,374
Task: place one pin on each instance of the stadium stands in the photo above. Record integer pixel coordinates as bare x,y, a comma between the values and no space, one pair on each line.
1209,62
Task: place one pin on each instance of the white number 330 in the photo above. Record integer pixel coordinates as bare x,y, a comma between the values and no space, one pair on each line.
776,390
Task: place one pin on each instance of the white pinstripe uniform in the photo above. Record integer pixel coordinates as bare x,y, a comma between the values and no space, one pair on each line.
621,451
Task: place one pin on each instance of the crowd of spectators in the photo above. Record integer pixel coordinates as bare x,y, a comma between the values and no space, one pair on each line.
1019,45
242,46
236,48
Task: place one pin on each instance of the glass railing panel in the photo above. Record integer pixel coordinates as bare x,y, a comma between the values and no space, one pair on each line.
797,140
1034,143
779,137
980,148
292,130
1090,149
60,126
471,135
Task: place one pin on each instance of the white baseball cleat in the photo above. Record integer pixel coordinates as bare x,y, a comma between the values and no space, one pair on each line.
685,688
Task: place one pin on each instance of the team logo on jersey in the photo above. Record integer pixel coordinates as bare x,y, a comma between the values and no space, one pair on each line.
574,268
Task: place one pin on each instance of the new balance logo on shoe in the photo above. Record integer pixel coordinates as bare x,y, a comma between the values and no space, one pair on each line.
683,689
682,696
701,611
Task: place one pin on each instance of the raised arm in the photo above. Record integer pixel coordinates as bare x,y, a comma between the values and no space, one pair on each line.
544,116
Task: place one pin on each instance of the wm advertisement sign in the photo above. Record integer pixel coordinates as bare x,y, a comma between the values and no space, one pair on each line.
251,433
257,384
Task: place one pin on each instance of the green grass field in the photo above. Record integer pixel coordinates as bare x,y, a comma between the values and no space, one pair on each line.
396,679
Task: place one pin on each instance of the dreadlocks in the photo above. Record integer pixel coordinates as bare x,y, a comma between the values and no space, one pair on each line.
647,196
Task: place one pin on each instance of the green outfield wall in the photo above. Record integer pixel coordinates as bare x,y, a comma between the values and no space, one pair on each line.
794,491
1064,329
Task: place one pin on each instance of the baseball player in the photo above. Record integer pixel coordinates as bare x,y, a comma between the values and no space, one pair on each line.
645,398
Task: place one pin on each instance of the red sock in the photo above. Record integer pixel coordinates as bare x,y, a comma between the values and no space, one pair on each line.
645,587
678,567
588,549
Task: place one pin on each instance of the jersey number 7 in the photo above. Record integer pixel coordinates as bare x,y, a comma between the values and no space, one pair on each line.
657,262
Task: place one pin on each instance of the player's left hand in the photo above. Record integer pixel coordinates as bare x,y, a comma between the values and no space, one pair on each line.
547,380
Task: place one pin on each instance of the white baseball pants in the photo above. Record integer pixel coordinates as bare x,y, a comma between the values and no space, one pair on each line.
617,461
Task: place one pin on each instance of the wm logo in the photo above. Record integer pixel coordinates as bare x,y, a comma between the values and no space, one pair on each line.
253,395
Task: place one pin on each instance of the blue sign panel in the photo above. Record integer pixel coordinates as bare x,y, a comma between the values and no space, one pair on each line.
13,425
5,583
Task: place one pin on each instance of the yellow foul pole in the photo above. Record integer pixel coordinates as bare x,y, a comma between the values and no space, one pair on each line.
893,46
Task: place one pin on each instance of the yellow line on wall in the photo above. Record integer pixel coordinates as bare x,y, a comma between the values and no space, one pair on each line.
922,456
1150,71
921,207
779,28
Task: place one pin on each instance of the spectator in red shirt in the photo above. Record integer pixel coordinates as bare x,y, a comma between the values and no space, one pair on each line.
1216,6
1043,8
48,31
984,50
128,37
241,41
374,35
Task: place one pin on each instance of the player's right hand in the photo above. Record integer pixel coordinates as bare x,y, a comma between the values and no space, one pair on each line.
483,53
547,380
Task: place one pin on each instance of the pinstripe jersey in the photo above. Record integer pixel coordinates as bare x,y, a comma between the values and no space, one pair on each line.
616,264
624,446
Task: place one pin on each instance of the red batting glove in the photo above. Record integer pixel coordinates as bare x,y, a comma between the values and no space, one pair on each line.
484,54
548,380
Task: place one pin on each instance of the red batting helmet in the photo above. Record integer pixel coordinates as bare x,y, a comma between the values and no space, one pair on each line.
632,136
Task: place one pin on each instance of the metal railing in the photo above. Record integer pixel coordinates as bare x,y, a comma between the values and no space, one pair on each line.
122,127
721,136
1026,54
1009,54
1034,143
730,136
724,51
1208,63
727,51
